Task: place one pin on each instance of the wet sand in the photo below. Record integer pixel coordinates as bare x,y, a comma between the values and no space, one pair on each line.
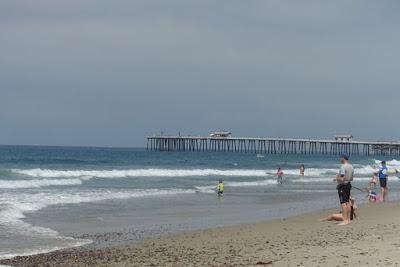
372,240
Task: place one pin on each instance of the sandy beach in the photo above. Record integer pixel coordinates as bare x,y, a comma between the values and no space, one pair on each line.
372,240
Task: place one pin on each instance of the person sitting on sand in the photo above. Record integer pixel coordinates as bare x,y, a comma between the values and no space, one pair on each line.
338,217
279,174
302,169
220,188
373,196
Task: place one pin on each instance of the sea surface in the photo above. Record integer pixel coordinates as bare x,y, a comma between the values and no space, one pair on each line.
59,197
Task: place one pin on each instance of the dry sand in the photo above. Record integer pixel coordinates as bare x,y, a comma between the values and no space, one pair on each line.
372,240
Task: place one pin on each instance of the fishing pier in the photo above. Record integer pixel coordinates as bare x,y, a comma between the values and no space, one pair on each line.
221,143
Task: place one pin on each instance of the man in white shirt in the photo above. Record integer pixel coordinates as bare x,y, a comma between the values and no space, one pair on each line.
344,179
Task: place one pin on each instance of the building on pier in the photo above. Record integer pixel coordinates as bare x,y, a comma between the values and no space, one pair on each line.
222,134
344,137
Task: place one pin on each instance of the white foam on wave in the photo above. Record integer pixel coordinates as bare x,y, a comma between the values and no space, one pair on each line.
88,174
393,162
269,182
18,204
365,170
211,189
363,179
13,208
310,171
37,183
47,173
208,189
314,172
154,172
252,183
326,180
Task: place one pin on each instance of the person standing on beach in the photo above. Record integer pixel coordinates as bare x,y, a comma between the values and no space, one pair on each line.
344,179
302,170
383,177
279,174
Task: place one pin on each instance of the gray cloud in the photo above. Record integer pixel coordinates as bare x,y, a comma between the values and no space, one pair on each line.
108,73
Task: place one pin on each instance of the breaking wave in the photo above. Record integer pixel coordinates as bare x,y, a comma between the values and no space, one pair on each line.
88,174
253,183
14,206
37,183
47,173
17,204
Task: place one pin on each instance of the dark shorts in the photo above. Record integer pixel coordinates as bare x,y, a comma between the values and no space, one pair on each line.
344,191
383,182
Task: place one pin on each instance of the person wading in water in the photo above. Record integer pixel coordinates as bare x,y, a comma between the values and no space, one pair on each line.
383,178
302,169
279,174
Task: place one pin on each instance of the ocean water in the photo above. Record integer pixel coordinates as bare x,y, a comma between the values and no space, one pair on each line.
59,197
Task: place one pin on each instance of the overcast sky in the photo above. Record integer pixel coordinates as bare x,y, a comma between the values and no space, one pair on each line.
107,73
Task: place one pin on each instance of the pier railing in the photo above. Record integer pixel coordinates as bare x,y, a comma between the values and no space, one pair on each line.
270,145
